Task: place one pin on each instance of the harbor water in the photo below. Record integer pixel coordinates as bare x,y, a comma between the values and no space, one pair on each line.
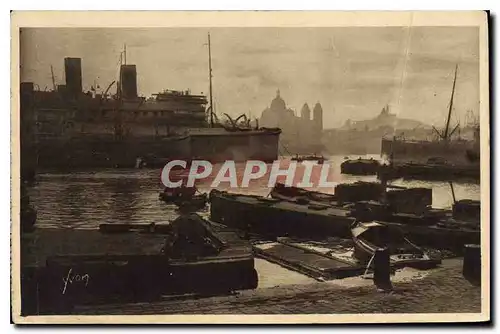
85,199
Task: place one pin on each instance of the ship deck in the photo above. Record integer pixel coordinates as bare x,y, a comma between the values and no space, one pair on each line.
313,208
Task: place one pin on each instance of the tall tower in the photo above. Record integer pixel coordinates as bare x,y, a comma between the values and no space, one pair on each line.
73,73
318,117
305,112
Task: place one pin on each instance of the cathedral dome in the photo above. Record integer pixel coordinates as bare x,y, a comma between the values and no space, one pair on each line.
278,103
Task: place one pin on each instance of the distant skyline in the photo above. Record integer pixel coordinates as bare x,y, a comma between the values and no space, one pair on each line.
353,72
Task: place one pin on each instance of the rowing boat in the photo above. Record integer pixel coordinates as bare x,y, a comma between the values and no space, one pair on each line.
368,237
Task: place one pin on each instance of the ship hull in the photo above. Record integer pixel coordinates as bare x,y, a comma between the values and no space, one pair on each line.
237,146
401,151
105,152
108,152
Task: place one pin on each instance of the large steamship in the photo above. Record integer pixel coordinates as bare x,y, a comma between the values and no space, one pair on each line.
69,128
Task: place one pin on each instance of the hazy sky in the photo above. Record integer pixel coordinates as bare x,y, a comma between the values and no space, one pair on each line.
353,72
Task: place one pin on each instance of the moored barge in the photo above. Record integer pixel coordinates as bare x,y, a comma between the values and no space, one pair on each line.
274,217
88,267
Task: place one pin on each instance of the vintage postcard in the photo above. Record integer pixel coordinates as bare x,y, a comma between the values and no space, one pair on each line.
250,167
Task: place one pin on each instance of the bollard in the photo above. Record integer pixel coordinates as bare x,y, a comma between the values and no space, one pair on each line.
382,269
472,263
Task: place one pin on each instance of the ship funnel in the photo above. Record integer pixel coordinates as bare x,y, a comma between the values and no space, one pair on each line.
73,73
128,81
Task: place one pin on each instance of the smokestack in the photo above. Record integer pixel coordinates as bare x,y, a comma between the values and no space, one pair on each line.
128,81
73,72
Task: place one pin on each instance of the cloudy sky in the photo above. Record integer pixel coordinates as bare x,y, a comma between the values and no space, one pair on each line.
353,72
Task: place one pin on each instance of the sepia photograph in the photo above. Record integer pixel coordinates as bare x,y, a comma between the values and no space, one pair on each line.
209,167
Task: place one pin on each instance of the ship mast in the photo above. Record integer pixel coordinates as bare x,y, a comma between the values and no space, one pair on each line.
210,79
446,130
125,54
53,79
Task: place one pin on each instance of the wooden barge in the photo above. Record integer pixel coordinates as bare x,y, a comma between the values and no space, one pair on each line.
273,217
398,199
308,262
64,268
407,209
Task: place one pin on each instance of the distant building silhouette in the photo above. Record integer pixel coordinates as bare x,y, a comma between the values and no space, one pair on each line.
301,134
386,120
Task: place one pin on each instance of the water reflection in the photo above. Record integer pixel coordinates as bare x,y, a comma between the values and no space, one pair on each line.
87,199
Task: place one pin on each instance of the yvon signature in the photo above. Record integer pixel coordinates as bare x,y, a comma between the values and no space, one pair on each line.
74,278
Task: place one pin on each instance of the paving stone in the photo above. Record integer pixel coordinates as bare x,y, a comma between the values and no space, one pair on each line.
445,290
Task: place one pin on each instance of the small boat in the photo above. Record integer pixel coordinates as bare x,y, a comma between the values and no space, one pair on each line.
173,195
195,203
360,167
368,237
319,158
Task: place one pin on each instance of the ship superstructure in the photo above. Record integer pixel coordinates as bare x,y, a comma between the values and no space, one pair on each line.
72,128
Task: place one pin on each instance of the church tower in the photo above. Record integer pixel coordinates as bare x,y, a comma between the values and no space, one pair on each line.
305,112
318,117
